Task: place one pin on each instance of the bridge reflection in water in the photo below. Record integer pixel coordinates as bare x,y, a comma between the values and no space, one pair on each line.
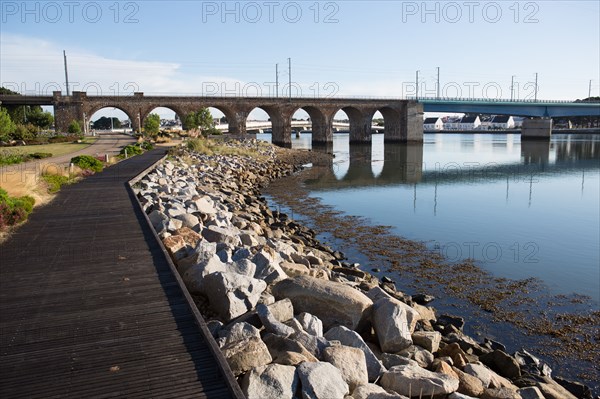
403,163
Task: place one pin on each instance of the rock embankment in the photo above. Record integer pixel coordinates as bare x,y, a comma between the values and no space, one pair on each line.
292,317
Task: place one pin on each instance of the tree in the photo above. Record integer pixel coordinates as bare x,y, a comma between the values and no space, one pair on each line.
152,125
202,119
74,127
189,122
7,126
104,123
39,118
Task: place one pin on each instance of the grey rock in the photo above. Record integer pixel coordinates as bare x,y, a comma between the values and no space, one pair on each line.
287,351
311,324
390,360
245,355
333,303
420,355
241,331
282,310
531,393
272,325
221,235
231,294
274,381
321,380
429,340
372,391
243,266
412,380
267,265
391,323
350,338
351,363
188,220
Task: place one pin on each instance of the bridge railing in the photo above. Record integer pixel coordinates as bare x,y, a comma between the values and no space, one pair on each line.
336,96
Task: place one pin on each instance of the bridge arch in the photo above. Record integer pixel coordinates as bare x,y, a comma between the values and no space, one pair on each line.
321,123
149,109
281,127
89,113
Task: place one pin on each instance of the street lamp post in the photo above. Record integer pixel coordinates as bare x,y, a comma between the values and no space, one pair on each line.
417,86
512,86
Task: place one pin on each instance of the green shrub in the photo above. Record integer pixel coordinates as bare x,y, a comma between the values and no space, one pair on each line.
87,162
197,145
146,145
22,133
131,150
55,182
12,157
14,210
40,155
74,127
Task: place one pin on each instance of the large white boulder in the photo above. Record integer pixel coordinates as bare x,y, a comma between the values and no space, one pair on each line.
411,380
391,323
274,381
246,354
350,338
351,363
321,380
333,303
230,295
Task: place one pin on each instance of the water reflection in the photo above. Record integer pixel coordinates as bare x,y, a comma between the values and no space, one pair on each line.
499,160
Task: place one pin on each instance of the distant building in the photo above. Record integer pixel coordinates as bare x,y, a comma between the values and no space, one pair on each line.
433,124
469,123
518,120
503,122
452,123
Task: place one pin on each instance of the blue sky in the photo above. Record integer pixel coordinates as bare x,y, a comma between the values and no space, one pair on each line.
352,48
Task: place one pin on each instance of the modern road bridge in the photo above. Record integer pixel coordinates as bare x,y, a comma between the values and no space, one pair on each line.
540,109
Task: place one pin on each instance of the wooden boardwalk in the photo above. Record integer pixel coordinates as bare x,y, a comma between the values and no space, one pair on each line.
90,306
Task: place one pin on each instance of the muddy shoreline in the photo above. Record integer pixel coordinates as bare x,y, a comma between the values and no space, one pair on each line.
563,330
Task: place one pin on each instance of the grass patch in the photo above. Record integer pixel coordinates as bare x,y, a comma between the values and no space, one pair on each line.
13,156
55,182
212,147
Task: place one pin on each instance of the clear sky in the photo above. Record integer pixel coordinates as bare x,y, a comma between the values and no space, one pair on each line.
351,48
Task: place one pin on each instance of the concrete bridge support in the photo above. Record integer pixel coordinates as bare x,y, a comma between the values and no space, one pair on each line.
536,129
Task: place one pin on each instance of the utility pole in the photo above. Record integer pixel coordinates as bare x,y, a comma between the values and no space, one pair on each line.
536,85
290,73
590,90
438,83
66,73
512,86
417,87
276,80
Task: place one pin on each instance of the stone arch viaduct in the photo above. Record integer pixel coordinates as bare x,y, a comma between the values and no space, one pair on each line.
403,118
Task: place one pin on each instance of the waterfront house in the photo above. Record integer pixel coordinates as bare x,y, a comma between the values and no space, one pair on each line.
503,122
469,123
452,123
433,124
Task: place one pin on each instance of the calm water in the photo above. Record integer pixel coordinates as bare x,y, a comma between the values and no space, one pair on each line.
521,210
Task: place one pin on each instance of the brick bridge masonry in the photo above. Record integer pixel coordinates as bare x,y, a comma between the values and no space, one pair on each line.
403,118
